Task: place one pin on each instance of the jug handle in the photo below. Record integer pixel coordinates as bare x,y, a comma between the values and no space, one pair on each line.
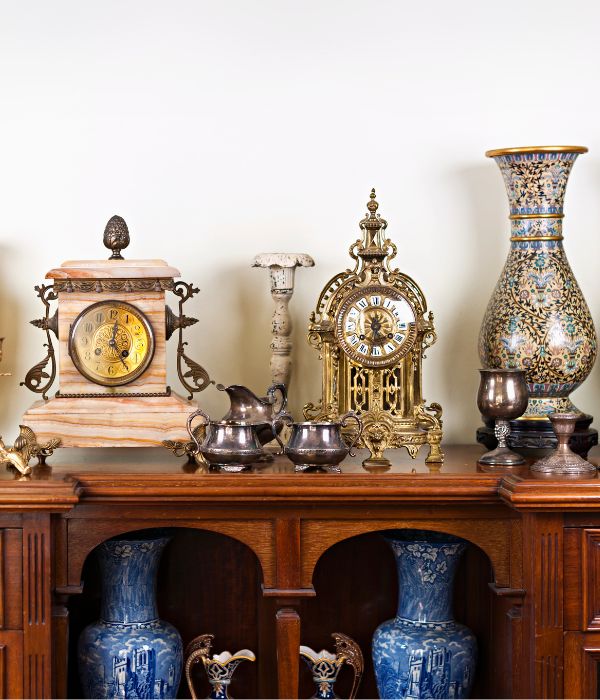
198,412
287,420
359,424
283,391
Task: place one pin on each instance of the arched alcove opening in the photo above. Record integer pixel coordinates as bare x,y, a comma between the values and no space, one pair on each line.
357,589
207,583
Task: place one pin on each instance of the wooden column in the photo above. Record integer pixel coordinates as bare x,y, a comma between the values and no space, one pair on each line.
288,652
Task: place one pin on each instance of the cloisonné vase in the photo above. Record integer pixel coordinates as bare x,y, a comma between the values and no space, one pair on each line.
423,652
537,319
130,652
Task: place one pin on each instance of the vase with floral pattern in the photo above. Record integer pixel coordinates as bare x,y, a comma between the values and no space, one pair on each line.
130,652
423,652
537,319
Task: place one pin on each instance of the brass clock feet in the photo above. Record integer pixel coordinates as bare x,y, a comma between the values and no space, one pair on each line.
374,463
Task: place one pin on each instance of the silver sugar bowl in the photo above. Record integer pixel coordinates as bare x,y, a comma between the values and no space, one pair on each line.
230,445
320,443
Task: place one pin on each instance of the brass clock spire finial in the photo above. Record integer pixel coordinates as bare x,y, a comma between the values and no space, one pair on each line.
373,227
116,236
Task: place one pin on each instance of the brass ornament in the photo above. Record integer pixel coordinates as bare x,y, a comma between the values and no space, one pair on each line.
38,379
196,378
26,448
187,448
116,236
99,286
372,328
345,646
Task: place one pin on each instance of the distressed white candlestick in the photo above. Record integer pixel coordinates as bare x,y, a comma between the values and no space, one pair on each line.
282,268
3,374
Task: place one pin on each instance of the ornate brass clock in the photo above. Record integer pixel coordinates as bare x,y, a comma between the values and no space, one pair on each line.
112,325
372,329
111,343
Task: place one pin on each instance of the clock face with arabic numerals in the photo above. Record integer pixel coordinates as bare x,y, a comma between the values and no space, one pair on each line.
376,326
111,343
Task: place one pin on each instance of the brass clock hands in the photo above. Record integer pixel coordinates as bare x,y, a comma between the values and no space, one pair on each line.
113,344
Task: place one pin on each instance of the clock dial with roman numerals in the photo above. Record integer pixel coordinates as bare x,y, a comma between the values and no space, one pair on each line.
111,343
376,326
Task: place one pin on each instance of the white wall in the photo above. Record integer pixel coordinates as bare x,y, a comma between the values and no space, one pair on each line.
223,129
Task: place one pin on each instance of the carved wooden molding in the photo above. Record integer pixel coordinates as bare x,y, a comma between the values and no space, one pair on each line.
590,577
257,535
492,536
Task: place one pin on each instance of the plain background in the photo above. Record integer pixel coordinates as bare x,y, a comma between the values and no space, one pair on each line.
219,130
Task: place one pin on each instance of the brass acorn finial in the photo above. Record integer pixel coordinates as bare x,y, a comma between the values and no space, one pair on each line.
116,236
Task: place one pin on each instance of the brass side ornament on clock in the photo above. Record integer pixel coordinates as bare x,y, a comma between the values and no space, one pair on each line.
372,329
111,326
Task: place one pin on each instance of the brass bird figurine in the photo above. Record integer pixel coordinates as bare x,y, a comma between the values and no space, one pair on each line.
25,448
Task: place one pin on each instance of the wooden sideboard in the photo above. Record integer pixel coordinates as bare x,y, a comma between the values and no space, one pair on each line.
271,559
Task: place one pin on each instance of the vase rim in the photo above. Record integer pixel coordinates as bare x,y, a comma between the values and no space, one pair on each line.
535,149
417,536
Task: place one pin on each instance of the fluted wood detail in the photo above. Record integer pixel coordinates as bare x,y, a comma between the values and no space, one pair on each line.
549,599
36,606
34,679
550,679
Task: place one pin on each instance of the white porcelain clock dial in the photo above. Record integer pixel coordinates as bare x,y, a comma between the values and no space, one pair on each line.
376,326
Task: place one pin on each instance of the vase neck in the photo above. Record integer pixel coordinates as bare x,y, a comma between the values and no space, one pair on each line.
425,579
129,569
535,184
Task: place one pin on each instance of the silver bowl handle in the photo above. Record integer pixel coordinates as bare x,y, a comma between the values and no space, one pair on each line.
344,422
198,412
286,419
271,394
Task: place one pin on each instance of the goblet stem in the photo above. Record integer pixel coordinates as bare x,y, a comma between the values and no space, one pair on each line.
502,431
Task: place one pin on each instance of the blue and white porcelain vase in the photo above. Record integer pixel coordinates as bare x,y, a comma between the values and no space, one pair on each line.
129,652
423,652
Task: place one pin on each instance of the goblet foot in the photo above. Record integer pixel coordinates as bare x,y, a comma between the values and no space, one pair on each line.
501,457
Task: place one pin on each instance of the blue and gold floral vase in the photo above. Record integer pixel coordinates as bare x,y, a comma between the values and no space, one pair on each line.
537,319
129,652
325,666
423,652
219,667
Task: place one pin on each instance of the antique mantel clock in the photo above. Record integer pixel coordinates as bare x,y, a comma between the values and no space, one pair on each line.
112,325
371,330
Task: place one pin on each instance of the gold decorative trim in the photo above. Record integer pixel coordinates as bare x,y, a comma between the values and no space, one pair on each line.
536,238
117,395
516,217
535,149
111,285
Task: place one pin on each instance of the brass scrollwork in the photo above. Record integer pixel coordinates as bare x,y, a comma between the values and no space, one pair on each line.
346,647
38,379
196,378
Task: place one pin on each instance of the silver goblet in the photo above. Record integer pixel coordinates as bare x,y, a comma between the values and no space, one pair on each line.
502,395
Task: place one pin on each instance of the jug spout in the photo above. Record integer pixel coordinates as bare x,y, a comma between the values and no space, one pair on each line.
247,406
